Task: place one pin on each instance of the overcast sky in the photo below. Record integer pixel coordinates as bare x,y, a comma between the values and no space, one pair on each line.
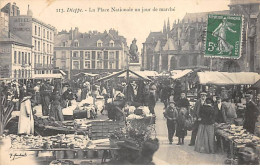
129,24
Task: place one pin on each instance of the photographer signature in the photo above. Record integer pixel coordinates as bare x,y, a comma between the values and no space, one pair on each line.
16,155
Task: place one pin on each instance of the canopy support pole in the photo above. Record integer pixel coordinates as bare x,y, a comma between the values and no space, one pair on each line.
210,68
127,84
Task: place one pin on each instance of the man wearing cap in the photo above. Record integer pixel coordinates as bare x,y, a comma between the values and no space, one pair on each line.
196,111
171,115
251,114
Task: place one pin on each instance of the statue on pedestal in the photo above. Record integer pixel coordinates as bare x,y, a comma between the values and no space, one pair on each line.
134,58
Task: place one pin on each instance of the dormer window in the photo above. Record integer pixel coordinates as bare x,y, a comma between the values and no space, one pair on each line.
99,43
111,43
76,43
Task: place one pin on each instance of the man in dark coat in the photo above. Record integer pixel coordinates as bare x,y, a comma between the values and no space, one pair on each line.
177,90
165,94
45,92
196,112
220,111
251,114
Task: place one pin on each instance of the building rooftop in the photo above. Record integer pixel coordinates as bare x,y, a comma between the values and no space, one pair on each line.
13,38
89,39
201,16
154,36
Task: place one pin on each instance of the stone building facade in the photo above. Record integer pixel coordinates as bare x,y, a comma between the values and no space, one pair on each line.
28,41
38,34
91,52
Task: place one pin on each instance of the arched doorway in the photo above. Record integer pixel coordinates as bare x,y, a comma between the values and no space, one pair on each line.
173,63
231,66
184,61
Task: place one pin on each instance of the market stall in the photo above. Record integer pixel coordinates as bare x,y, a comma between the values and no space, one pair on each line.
126,72
184,77
236,138
137,115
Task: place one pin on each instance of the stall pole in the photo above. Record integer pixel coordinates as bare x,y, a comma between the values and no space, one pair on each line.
61,81
127,81
186,85
210,63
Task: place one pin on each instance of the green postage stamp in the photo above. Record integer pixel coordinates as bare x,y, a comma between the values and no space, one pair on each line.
224,36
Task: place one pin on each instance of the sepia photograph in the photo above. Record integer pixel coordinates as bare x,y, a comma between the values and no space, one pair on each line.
129,82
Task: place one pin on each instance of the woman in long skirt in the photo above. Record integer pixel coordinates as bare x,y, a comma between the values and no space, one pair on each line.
205,136
26,121
56,111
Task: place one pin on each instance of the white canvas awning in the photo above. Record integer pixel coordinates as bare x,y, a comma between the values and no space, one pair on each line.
226,78
147,73
86,74
176,74
46,76
144,74
123,73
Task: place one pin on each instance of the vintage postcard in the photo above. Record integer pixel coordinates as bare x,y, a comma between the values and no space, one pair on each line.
129,82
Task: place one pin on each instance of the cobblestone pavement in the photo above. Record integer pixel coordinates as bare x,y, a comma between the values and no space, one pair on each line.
179,155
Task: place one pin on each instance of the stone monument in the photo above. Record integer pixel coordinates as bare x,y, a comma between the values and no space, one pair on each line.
134,61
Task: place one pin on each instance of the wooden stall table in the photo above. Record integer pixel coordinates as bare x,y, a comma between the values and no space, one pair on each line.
234,141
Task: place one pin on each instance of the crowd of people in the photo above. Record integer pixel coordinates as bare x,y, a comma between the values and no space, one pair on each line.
206,111
180,113
52,96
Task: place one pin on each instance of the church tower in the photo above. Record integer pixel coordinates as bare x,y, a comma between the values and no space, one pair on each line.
164,28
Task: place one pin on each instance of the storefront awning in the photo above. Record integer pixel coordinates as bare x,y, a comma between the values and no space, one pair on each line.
226,78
